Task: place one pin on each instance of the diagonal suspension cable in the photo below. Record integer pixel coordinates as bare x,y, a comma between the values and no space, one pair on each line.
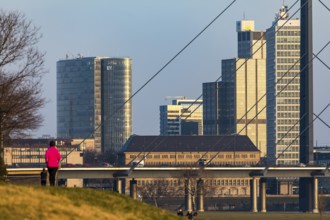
246,59
275,96
259,98
322,61
324,5
310,124
154,147
321,120
163,67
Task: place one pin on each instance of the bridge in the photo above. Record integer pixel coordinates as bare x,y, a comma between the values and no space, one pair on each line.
258,176
178,172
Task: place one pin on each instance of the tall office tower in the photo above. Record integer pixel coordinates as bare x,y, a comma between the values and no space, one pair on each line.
116,89
243,84
283,89
183,117
90,93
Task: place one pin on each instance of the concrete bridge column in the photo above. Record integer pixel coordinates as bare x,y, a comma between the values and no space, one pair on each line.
117,183
200,195
315,195
133,189
262,197
253,194
187,190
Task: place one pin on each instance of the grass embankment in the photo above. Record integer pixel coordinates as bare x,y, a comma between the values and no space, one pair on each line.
34,202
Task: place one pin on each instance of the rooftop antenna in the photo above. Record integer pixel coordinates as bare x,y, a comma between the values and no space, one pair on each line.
244,15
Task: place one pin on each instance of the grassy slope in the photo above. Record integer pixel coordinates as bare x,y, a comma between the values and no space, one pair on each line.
33,202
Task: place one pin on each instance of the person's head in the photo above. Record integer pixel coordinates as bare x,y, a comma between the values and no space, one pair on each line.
52,143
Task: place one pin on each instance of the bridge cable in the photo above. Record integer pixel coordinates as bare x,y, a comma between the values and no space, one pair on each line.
275,96
221,77
260,97
163,67
324,5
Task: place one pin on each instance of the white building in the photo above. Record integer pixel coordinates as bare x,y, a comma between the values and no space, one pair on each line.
182,117
283,89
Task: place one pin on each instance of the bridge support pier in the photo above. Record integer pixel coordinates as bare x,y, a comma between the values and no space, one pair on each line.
200,195
133,189
315,195
253,194
187,190
262,195
117,186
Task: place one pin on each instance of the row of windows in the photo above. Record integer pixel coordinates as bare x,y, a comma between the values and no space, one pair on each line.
222,182
289,156
288,108
287,121
288,53
288,149
289,81
288,87
288,135
288,60
288,101
289,74
288,115
288,67
287,162
196,156
289,94
288,47
193,163
288,142
288,40
287,128
288,33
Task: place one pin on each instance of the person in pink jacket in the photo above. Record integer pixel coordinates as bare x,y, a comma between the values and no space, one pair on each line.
52,158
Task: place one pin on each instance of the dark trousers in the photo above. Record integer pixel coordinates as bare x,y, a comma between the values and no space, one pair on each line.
52,174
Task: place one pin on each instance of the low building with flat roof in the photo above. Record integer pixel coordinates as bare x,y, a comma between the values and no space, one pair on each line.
233,150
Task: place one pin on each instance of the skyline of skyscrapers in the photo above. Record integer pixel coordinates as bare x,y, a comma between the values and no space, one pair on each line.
243,84
233,105
91,92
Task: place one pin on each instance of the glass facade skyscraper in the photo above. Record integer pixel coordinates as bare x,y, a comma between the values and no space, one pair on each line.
283,90
116,89
90,91
238,101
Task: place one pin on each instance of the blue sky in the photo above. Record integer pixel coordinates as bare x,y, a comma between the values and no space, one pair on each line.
151,33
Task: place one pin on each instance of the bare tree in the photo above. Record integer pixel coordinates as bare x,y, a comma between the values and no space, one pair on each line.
191,186
21,71
155,189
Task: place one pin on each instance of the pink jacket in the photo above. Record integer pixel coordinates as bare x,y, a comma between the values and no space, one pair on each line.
52,157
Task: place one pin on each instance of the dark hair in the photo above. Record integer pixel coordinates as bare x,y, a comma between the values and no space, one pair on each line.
52,143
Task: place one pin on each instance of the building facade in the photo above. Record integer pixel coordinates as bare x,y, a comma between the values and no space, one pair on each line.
182,117
31,152
239,99
188,151
92,94
283,90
